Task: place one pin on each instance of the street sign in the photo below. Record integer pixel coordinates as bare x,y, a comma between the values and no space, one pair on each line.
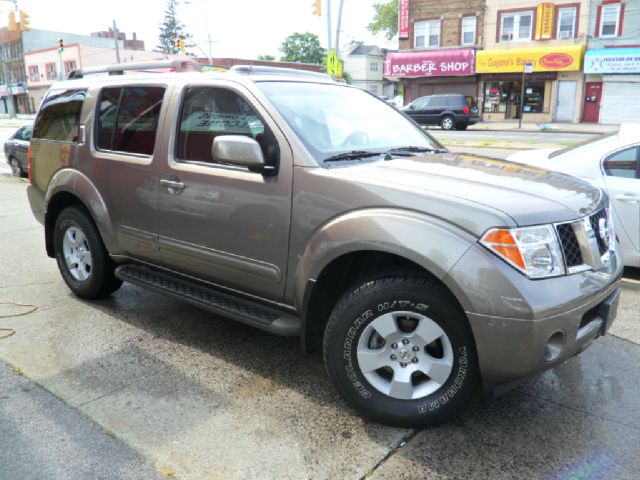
334,65
528,67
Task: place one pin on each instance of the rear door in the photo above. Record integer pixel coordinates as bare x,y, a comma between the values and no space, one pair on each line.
22,145
123,162
622,179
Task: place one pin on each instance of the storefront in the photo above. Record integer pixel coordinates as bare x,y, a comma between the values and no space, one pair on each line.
612,85
433,71
21,100
552,91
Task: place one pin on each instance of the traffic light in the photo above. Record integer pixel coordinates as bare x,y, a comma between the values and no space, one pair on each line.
317,7
180,45
12,27
60,45
24,21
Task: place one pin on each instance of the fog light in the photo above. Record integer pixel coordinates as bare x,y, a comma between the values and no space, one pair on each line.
554,346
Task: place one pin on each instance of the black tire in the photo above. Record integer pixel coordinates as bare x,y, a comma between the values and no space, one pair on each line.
100,281
16,168
417,296
447,123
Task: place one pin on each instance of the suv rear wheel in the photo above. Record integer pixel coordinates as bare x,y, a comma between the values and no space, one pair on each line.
82,258
400,352
447,123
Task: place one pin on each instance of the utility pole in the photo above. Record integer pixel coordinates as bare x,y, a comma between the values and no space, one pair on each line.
11,110
329,26
338,27
115,37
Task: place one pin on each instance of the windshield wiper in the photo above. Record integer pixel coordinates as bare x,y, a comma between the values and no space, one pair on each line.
352,155
415,149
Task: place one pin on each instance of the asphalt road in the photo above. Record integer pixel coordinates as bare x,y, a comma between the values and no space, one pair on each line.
145,385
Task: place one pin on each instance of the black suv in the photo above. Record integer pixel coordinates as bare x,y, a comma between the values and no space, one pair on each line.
451,111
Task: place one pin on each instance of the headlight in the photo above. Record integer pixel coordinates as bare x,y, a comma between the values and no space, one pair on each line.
534,251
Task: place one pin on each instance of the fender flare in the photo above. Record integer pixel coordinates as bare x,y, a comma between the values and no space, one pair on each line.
77,184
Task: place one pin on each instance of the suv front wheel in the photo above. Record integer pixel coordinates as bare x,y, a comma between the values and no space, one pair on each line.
82,258
400,352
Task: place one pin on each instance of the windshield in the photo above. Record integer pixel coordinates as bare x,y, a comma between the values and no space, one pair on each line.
333,119
586,145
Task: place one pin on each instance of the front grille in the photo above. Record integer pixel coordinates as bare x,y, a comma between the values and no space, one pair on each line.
595,225
570,246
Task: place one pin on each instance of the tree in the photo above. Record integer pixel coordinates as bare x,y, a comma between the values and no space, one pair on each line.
170,29
268,58
302,48
385,19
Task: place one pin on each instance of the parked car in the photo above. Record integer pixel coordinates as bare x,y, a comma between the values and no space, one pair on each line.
304,207
450,111
15,151
611,162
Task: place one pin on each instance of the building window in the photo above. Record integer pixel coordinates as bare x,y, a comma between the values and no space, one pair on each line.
52,71
516,26
609,20
34,74
374,66
468,31
567,22
427,34
68,66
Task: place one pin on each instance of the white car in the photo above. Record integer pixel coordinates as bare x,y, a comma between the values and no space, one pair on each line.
611,162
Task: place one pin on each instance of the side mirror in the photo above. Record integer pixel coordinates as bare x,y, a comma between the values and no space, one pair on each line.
237,150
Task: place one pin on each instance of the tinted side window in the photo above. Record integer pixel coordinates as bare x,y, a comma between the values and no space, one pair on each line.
623,163
59,116
128,119
210,112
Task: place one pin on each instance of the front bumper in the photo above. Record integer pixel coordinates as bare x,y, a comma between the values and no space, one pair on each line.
523,327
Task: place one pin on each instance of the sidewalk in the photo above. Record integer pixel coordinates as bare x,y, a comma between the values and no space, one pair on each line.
557,127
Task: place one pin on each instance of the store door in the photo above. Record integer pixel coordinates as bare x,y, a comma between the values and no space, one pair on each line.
592,97
566,100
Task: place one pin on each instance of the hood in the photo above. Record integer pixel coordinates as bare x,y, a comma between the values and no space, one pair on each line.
529,195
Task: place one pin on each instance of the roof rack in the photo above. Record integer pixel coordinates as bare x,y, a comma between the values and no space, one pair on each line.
120,68
264,70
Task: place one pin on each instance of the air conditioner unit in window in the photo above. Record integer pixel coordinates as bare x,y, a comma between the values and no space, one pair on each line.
506,37
564,34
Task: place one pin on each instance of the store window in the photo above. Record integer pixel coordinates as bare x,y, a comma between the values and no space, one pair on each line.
427,34
567,22
609,20
504,97
468,31
516,26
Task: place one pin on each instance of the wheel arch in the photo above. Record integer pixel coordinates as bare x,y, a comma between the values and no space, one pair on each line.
72,188
334,260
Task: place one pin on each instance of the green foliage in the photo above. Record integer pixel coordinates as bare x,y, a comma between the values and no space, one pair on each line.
170,29
303,48
268,58
385,19
347,77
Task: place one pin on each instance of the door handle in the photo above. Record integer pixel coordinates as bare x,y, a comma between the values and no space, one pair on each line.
628,198
172,185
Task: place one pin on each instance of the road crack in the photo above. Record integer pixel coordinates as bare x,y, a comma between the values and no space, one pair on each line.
391,453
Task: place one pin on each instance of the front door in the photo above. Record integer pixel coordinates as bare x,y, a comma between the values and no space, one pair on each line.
622,179
222,223
566,100
592,98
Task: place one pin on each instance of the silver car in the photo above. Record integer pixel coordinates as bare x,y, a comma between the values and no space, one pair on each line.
308,208
610,162
16,149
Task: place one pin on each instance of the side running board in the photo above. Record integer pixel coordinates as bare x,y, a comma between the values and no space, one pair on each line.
224,304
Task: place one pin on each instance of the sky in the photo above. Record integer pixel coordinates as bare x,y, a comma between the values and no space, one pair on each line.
238,28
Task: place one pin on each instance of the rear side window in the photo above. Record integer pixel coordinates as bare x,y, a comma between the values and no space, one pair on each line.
470,102
59,116
127,119
623,163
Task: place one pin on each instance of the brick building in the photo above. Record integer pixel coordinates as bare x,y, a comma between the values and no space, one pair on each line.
437,47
